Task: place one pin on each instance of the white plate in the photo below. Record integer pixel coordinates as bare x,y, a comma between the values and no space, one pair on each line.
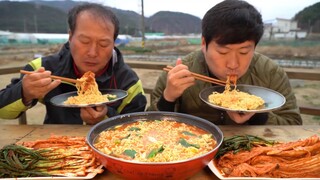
213,168
88,176
60,99
273,99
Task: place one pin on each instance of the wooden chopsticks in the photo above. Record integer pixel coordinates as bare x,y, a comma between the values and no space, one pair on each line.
201,77
53,77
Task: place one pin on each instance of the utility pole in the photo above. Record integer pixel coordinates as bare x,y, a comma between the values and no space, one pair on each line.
142,24
24,25
35,23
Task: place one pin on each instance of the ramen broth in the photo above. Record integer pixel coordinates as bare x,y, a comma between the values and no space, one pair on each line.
155,141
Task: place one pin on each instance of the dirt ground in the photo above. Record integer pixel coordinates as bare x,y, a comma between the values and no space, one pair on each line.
307,92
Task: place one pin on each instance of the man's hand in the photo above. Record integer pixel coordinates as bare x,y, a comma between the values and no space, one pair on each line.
179,79
37,85
239,118
93,115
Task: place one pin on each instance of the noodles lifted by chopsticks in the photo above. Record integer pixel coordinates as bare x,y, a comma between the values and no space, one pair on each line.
298,159
235,99
88,92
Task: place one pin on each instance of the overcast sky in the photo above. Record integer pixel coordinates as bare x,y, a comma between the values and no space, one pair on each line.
270,9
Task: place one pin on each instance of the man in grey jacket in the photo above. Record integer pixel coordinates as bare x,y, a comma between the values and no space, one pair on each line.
231,31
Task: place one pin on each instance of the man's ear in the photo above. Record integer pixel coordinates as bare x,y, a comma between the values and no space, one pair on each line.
70,35
203,45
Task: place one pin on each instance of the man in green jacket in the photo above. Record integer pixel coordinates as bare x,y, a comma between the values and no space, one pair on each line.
231,31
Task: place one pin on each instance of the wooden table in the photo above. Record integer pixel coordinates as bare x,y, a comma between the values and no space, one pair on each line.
19,133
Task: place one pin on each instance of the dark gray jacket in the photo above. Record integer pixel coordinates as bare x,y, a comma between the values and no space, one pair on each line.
118,76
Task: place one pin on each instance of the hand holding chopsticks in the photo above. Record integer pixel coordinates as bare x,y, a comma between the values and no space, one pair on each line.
53,77
201,77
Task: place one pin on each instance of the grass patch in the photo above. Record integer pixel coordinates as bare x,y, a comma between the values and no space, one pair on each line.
306,97
316,86
317,118
136,49
290,43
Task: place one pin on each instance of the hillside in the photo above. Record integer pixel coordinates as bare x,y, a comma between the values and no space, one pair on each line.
309,18
174,22
27,17
50,17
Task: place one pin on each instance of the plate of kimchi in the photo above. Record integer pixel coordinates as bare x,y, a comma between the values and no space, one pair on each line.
57,157
242,98
252,157
219,175
72,99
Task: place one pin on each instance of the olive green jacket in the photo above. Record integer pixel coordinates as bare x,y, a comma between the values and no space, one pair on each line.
262,72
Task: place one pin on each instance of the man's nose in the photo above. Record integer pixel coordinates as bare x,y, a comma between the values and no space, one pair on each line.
233,61
93,51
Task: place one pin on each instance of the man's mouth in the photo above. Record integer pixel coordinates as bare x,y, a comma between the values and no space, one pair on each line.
90,64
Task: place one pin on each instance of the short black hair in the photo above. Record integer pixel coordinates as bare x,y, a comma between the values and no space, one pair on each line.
232,22
97,10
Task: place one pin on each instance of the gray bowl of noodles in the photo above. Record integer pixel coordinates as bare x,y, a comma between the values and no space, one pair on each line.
273,100
155,145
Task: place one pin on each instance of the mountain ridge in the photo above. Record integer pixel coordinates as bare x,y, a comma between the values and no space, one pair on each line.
130,21
40,16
